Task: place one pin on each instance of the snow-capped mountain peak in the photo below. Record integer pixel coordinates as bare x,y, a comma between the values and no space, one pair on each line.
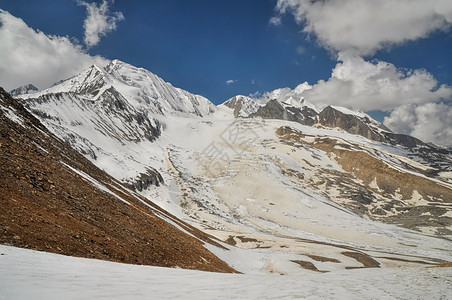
244,106
144,90
25,89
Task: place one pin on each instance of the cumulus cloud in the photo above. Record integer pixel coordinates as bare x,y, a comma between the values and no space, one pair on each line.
353,29
231,81
364,26
360,84
430,122
30,56
99,21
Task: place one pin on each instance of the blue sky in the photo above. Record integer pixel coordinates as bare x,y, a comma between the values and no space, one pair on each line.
352,51
199,45
196,45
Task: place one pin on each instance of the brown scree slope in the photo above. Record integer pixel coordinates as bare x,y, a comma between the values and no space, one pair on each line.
46,205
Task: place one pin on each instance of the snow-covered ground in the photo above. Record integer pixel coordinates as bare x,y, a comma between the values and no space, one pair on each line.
27,274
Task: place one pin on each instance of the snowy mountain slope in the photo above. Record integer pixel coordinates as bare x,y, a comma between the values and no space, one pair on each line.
42,275
289,204
53,199
107,113
287,104
283,201
243,106
144,89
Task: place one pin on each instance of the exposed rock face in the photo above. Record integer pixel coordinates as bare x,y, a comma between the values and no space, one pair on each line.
363,126
331,117
272,110
354,123
242,106
236,104
275,110
437,158
145,180
54,199
26,89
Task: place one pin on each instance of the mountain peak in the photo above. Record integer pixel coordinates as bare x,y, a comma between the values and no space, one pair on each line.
25,89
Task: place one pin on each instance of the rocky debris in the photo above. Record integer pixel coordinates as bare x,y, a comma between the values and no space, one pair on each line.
374,189
53,199
25,89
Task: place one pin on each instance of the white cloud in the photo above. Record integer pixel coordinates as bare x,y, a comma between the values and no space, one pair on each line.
275,21
99,21
359,84
231,81
364,26
430,122
29,56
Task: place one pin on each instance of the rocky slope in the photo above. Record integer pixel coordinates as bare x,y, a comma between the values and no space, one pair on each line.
378,183
53,199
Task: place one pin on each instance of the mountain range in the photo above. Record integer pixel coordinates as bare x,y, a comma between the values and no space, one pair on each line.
268,184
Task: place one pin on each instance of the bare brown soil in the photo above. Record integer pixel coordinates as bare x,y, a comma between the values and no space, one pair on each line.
408,260
308,265
446,264
322,258
46,206
366,260
231,241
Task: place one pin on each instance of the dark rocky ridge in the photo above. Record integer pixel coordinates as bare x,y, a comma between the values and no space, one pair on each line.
275,110
331,117
431,155
145,180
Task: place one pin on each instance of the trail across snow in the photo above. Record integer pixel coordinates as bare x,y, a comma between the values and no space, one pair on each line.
27,274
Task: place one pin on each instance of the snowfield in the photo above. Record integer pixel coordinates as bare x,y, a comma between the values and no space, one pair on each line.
27,274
